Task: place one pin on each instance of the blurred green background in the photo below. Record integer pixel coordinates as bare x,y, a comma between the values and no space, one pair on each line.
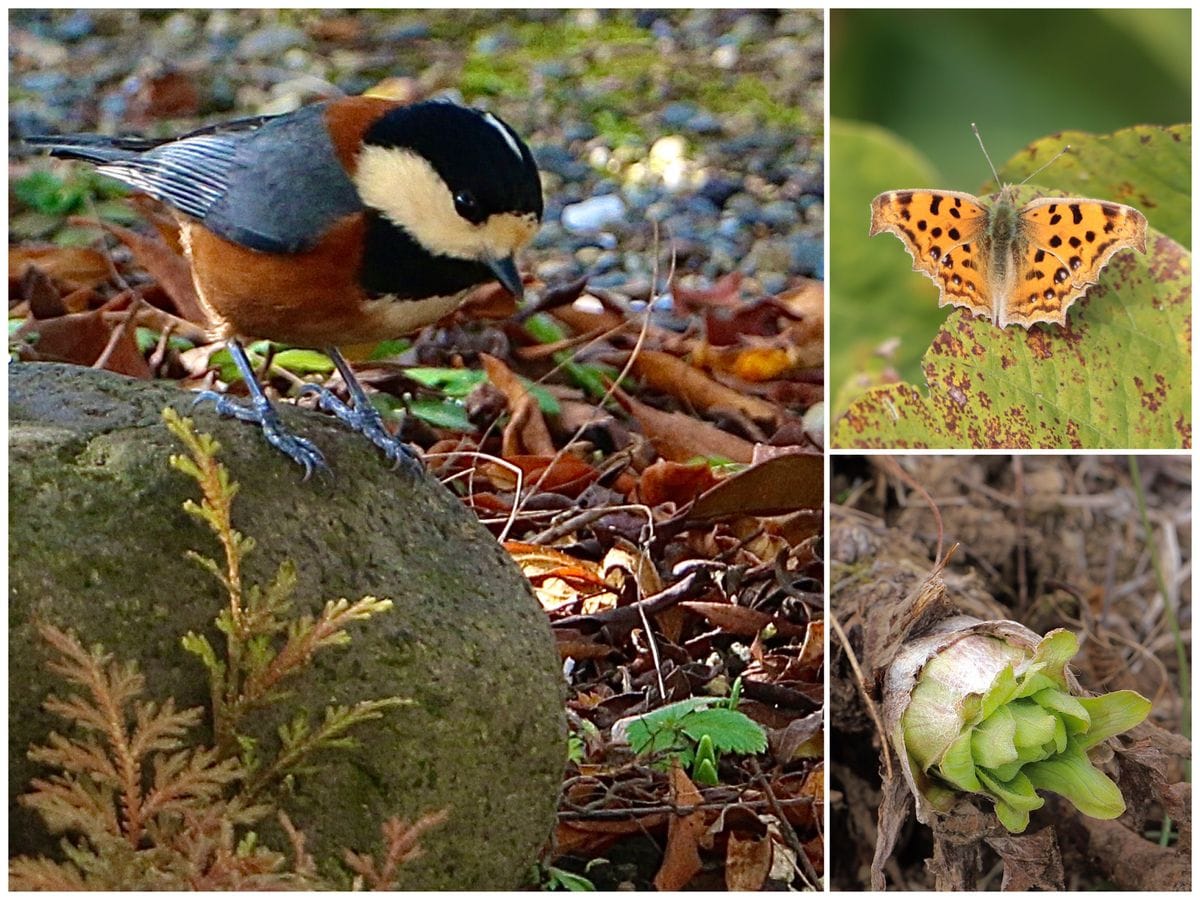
914,81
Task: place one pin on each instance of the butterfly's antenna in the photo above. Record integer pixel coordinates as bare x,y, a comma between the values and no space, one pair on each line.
1047,165
979,138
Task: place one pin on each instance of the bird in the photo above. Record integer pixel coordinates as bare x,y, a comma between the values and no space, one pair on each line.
347,221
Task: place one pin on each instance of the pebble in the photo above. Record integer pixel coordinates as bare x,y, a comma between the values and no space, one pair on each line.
808,256
704,123
587,256
772,282
726,56
76,27
677,115
270,41
718,190
594,213
607,261
769,254
779,214
554,271
578,131
560,161
414,31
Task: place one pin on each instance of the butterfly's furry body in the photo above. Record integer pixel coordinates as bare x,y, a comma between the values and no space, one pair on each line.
1015,264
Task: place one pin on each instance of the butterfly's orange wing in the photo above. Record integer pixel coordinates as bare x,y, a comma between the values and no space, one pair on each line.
1063,245
944,233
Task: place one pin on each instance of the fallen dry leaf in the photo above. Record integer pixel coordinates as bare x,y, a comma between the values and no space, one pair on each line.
81,338
681,860
681,438
73,267
664,481
594,836
747,862
724,294
778,485
739,620
625,560
526,432
169,268
673,376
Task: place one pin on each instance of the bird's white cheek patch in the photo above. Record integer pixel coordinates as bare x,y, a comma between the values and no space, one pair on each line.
404,187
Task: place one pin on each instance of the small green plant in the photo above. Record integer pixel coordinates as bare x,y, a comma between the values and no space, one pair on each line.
145,809
695,731
989,708
49,194
552,878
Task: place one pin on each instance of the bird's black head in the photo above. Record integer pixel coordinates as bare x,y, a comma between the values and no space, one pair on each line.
457,181
478,156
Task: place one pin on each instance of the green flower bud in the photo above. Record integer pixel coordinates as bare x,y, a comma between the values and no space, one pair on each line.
990,708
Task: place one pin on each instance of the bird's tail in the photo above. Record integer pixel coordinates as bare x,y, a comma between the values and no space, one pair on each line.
97,148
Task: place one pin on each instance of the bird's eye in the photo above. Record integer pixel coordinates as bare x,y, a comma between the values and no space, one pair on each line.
468,207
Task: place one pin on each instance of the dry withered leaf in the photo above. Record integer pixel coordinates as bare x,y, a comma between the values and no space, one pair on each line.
681,438
681,860
168,267
724,294
808,786
673,376
43,299
73,267
526,432
593,836
747,861
762,318
1032,862
561,474
805,300
624,561
802,738
81,338
812,654
488,301
739,620
559,579
776,486
163,95
582,321
664,481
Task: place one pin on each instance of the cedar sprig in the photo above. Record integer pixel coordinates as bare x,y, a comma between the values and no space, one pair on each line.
401,844
146,811
254,618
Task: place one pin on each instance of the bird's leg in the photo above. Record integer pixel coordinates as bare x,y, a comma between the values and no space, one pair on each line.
360,415
260,411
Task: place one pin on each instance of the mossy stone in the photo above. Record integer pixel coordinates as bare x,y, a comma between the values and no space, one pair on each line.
97,537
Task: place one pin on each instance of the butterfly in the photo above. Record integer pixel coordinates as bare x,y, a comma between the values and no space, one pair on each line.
1016,264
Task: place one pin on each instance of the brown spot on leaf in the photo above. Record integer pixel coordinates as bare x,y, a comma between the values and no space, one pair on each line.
1040,343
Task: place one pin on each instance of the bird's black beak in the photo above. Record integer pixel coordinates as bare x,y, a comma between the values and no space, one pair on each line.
506,273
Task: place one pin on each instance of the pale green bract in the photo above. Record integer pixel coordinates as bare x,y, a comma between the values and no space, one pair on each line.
989,708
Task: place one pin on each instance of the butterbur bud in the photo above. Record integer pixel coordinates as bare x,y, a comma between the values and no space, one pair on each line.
990,708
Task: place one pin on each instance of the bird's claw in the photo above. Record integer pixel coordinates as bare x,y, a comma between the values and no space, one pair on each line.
365,419
300,450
